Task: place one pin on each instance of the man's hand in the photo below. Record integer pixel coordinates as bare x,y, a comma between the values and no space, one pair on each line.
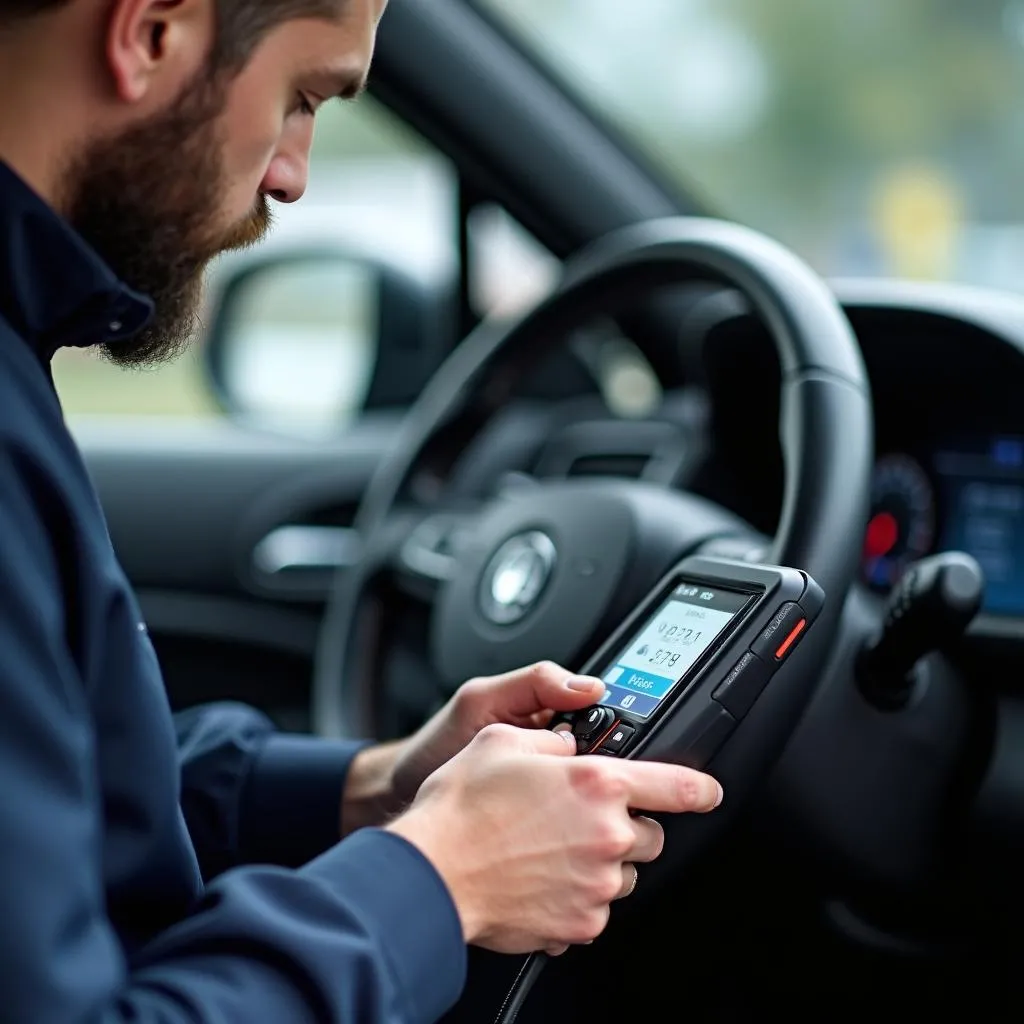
533,843
383,780
527,698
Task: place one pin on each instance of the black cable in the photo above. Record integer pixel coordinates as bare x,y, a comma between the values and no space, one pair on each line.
520,989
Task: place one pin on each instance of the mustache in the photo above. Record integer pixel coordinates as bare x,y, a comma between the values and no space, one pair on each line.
250,231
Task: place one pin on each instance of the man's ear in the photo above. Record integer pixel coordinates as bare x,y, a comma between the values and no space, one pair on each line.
155,47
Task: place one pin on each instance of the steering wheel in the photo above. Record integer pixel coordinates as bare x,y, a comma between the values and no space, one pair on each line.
547,569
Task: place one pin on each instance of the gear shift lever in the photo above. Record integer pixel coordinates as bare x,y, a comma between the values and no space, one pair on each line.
929,608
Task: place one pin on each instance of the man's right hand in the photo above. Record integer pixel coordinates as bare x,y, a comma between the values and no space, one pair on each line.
535,843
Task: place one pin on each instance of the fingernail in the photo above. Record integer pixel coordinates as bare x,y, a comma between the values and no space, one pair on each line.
567,735
721,794
583,684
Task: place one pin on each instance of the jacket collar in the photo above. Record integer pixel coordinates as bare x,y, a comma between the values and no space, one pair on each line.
55,291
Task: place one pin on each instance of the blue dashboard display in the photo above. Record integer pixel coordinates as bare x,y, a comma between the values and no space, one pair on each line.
982,494
668,645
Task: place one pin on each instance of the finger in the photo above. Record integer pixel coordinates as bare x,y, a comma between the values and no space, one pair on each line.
653,786
545,741
541,687
650,841
629,880
540,720
556,950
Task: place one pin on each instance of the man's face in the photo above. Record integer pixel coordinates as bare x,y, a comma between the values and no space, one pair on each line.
161,199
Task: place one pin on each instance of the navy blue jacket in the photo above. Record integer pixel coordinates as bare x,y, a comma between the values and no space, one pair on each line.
153,868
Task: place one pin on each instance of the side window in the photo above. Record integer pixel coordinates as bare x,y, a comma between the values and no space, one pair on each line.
509,270
298,317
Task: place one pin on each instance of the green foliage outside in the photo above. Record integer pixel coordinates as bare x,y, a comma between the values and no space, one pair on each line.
853,102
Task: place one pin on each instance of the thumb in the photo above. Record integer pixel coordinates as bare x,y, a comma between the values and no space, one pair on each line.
542,687
569,693
546,741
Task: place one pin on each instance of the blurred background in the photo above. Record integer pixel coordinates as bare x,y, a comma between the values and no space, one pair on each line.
874,137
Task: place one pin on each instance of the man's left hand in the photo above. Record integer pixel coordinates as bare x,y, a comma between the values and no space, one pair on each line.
384,779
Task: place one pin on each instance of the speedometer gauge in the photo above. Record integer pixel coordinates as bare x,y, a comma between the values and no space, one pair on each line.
902,524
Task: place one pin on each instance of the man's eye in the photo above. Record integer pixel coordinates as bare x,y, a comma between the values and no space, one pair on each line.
304,106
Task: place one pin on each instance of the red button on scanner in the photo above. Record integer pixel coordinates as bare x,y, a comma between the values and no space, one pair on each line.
784,630
787,644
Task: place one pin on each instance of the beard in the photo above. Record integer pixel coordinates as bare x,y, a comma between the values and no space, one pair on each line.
148,202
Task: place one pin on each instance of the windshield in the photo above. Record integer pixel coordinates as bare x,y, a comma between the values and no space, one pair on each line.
875,137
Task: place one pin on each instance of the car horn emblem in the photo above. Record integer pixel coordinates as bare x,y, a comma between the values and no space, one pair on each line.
516,577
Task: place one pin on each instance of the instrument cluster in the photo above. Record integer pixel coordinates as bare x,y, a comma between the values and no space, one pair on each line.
965,495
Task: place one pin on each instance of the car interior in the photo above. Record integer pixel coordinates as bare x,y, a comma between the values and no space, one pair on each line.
686,385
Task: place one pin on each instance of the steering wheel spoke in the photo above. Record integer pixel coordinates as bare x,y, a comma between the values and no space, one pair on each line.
427,558
743,547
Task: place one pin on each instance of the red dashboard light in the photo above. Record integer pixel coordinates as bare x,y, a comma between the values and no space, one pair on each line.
882,534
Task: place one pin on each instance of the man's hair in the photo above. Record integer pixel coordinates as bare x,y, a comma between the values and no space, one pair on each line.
241,24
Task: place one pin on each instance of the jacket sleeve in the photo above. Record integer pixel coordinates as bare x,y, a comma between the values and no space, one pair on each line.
364,932
251,795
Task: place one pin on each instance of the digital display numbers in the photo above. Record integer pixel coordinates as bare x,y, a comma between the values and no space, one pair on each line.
668,645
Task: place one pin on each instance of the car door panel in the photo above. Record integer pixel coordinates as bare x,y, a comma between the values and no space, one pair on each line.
231,537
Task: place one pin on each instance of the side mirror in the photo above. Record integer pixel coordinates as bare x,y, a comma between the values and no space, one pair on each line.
306,339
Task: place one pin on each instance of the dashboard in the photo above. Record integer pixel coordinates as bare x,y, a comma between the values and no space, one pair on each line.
946,367
947,374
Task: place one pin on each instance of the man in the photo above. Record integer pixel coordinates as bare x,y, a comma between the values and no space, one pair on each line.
196,870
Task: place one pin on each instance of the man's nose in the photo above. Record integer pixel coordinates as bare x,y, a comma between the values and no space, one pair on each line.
287,175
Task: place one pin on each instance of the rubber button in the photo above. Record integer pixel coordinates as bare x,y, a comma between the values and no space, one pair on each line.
781,635
743,685
617,740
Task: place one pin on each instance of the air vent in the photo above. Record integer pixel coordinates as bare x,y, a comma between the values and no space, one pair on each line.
622,465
